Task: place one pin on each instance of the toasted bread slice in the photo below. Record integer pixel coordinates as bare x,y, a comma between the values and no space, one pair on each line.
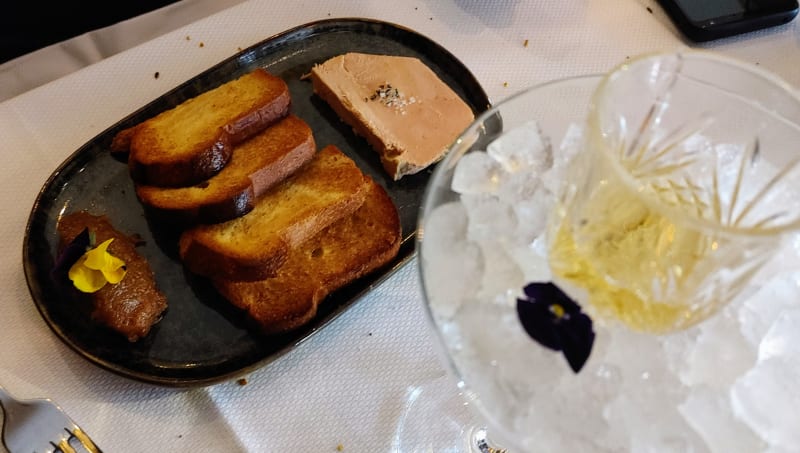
256,165
193,141
398,104
132,306
347,250
255,245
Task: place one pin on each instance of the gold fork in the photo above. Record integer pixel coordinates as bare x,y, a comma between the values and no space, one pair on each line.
40,426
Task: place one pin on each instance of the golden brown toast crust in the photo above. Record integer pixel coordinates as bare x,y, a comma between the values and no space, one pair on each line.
193,141
348,249
406,113
132,306
255,245
256,165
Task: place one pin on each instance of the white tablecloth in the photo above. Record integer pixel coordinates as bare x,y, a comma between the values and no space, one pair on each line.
348,385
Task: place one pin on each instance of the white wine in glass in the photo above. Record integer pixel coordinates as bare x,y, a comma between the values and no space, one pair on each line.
682,192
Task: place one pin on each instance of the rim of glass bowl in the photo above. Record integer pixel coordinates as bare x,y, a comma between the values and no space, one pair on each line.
770,79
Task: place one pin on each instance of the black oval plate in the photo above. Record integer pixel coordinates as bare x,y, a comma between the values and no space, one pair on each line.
202,339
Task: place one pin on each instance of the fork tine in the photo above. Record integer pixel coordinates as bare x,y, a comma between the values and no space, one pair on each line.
85,440
64,446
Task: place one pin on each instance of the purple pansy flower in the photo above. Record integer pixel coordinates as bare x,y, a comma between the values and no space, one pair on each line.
554,320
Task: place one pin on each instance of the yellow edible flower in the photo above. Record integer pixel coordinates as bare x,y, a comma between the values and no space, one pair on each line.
96,268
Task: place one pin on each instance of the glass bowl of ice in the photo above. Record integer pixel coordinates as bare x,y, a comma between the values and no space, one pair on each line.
551,371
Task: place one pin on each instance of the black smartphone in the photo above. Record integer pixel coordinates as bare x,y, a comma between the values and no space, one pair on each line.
706,20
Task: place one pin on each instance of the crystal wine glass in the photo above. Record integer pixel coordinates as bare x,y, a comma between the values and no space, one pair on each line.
578,232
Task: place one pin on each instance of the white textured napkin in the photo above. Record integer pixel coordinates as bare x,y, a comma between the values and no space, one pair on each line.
348,385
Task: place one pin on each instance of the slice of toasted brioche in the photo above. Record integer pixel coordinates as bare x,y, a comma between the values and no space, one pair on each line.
192,141
132,306
255,245
398,104
256,165
343,252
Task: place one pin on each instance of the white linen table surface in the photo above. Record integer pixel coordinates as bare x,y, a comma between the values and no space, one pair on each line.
347,385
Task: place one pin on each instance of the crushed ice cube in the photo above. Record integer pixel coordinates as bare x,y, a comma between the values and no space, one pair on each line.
502,277
532,217
642,372
651,428
758,312
709,413
522,148
570,145
531,203
453,265
531,259
519,187
700,144
489,217
553,179
783,338
477,172
767,399
720,353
